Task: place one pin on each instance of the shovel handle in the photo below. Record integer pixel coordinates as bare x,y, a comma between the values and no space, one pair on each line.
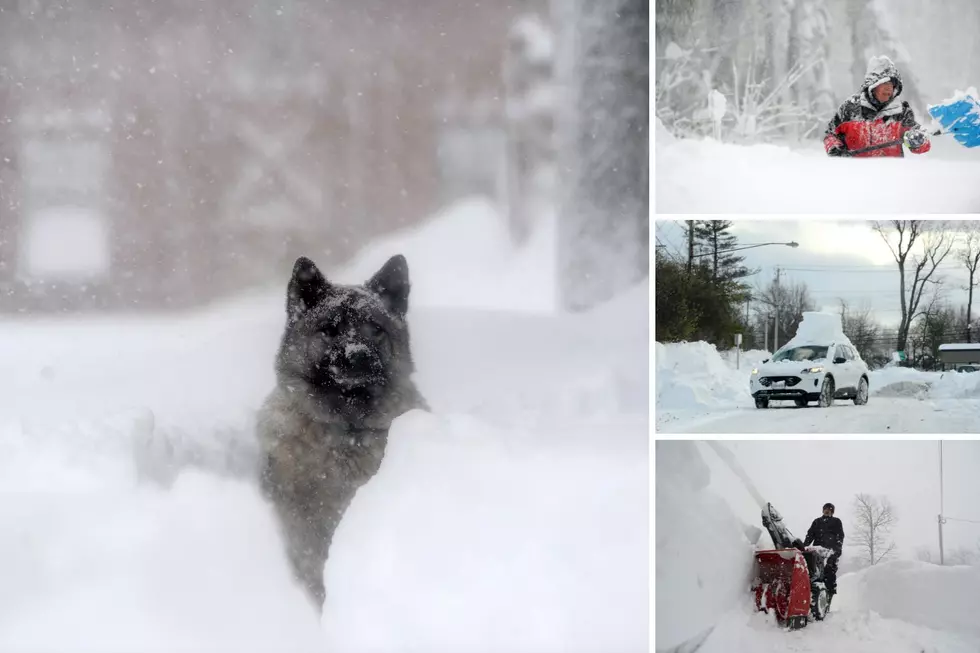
881,146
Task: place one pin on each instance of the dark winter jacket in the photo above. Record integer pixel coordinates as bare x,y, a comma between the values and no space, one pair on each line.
862,121
827,532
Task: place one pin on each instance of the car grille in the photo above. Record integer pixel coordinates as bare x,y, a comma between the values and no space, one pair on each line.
790,380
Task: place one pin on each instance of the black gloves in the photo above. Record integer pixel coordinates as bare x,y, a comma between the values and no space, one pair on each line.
837,150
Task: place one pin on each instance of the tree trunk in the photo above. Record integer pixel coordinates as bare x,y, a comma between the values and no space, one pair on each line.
903,327
605,219
690,246
969,309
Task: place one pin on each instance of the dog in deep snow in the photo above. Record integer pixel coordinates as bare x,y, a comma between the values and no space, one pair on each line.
343,374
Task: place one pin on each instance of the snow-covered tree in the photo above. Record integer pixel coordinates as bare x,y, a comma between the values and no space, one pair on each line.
604,218
872,35
529,81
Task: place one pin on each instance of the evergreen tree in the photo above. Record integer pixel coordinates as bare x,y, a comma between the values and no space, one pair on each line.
716,239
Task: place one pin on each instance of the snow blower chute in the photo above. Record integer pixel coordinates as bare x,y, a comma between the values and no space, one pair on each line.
790,577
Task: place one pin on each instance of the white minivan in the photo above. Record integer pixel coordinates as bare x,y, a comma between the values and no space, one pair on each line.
818,372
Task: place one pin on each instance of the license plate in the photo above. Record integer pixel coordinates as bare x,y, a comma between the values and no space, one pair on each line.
778,385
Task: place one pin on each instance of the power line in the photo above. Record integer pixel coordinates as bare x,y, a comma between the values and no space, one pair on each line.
871,269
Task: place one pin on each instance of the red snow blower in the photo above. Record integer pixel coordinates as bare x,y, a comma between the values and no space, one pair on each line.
789,578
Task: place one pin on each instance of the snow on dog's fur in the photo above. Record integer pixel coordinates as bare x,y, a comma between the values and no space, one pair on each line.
343,374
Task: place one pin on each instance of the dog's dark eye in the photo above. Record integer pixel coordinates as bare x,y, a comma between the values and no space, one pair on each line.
371,330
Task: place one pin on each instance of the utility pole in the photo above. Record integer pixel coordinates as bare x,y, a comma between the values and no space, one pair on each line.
775,338
941,520
765,330
690,246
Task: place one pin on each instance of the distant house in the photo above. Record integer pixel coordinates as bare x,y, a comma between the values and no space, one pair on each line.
159,155
960,354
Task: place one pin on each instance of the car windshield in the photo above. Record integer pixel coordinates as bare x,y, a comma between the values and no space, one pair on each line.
807,353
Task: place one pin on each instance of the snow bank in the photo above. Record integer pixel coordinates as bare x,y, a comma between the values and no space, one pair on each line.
943,598
694,375
463,257
704,559
515,517
663,134
908,382
901,382
462,515
705,176
93,560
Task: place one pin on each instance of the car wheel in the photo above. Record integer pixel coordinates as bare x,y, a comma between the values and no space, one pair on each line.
861,398
827,393
761,402
801,403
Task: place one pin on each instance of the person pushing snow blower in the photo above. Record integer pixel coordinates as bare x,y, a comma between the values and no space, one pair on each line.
828,531
874,122
789,578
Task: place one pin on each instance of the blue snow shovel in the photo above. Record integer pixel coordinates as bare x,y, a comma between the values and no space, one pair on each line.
961,118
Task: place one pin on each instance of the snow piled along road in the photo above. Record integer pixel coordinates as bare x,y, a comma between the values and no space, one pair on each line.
704,555
513,517
707,176
701,391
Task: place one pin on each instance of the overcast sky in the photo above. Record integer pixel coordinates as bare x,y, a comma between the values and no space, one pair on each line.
835,258
798,477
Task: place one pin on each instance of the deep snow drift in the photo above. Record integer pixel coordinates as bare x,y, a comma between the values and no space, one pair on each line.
513,517
705,538
698,389
707,176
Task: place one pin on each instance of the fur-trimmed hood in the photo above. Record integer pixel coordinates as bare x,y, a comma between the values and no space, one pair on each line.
880,70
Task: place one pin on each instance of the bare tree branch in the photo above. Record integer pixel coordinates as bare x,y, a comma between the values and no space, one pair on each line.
970,257
874,518
937,242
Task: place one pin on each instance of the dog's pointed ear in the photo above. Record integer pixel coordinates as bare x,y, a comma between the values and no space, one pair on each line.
391,283
307,287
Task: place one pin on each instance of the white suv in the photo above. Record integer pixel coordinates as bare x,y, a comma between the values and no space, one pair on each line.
806,373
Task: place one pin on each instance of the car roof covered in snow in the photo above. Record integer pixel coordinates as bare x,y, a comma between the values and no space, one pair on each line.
818,328
959,346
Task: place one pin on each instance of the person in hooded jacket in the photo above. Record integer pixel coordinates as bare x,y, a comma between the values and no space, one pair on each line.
828,531
876,116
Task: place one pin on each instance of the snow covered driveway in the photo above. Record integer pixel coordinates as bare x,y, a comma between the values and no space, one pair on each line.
848,629
880,415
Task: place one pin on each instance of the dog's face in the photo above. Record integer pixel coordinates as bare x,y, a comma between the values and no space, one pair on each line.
346,347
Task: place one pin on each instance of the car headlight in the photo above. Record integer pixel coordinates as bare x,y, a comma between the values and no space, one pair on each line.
755,370
812,370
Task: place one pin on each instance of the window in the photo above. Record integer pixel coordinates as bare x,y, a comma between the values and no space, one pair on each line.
810,353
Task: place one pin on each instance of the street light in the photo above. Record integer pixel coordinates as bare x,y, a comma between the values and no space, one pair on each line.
738,249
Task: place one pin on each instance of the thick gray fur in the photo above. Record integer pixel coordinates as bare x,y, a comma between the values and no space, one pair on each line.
343,374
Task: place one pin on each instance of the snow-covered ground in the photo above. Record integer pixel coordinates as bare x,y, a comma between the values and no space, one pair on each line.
513,517
699,390
707,176
706,534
